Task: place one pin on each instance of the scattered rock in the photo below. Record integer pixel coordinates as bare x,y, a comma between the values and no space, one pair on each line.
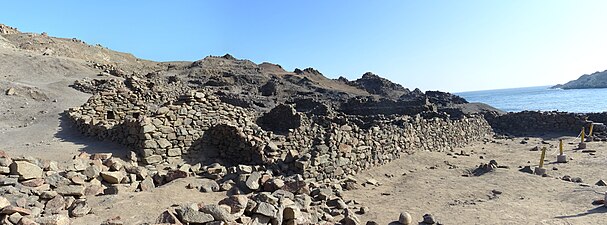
405,218
58,219
4,202
218,213
112,177
192,215
428,219
8,210
79,208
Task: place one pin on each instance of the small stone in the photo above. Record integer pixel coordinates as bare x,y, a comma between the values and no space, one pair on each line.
8,181
237,204
168,217
576,180
57,180
48,194
26,170
154,159
364,210
26,221
58,219
253,181
36,182
266,209
79,208
190,215
8,210
147,184
112,177
4,202
11,91
55,205
405,218
428,219
373,182
92,171
496,192
15,218
93,190
291,213
601,183
208,185
219,213
71,190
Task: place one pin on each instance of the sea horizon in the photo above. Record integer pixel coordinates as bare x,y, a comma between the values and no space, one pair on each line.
541,98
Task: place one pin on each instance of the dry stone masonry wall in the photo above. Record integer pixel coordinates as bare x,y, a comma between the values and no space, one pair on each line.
535,122
199,128
336,151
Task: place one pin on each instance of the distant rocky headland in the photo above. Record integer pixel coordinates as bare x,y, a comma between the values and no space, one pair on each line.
595,80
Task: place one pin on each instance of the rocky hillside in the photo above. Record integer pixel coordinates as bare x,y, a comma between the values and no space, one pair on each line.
595,80
241,82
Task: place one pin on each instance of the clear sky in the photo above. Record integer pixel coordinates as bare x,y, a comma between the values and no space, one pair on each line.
434,45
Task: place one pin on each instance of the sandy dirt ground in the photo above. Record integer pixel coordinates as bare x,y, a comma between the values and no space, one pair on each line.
31,119
432,182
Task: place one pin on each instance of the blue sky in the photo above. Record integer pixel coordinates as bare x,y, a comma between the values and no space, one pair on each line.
434,45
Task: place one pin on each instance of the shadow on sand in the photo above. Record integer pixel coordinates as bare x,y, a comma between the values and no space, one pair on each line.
599,209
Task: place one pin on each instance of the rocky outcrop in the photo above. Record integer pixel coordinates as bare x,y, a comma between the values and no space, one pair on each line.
380,86
595,80
4,29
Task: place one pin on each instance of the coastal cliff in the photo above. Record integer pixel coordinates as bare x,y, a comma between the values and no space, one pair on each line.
595,80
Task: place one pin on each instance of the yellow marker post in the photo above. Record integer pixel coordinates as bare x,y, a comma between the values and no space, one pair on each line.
561,158
583,135
542,157
582,144
590,132
540,170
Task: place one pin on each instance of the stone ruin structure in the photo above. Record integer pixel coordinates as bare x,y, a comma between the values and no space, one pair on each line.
197,127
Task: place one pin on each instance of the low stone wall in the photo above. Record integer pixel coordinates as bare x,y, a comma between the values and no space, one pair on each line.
337,151
110,116
597,117
534,122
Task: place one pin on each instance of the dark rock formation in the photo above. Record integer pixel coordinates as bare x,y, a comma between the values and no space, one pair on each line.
380,86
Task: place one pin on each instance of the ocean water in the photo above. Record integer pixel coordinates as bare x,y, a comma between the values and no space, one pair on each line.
541,98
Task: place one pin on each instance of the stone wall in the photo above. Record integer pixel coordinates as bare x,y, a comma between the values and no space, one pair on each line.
535,122
339,150
112,116
199,128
